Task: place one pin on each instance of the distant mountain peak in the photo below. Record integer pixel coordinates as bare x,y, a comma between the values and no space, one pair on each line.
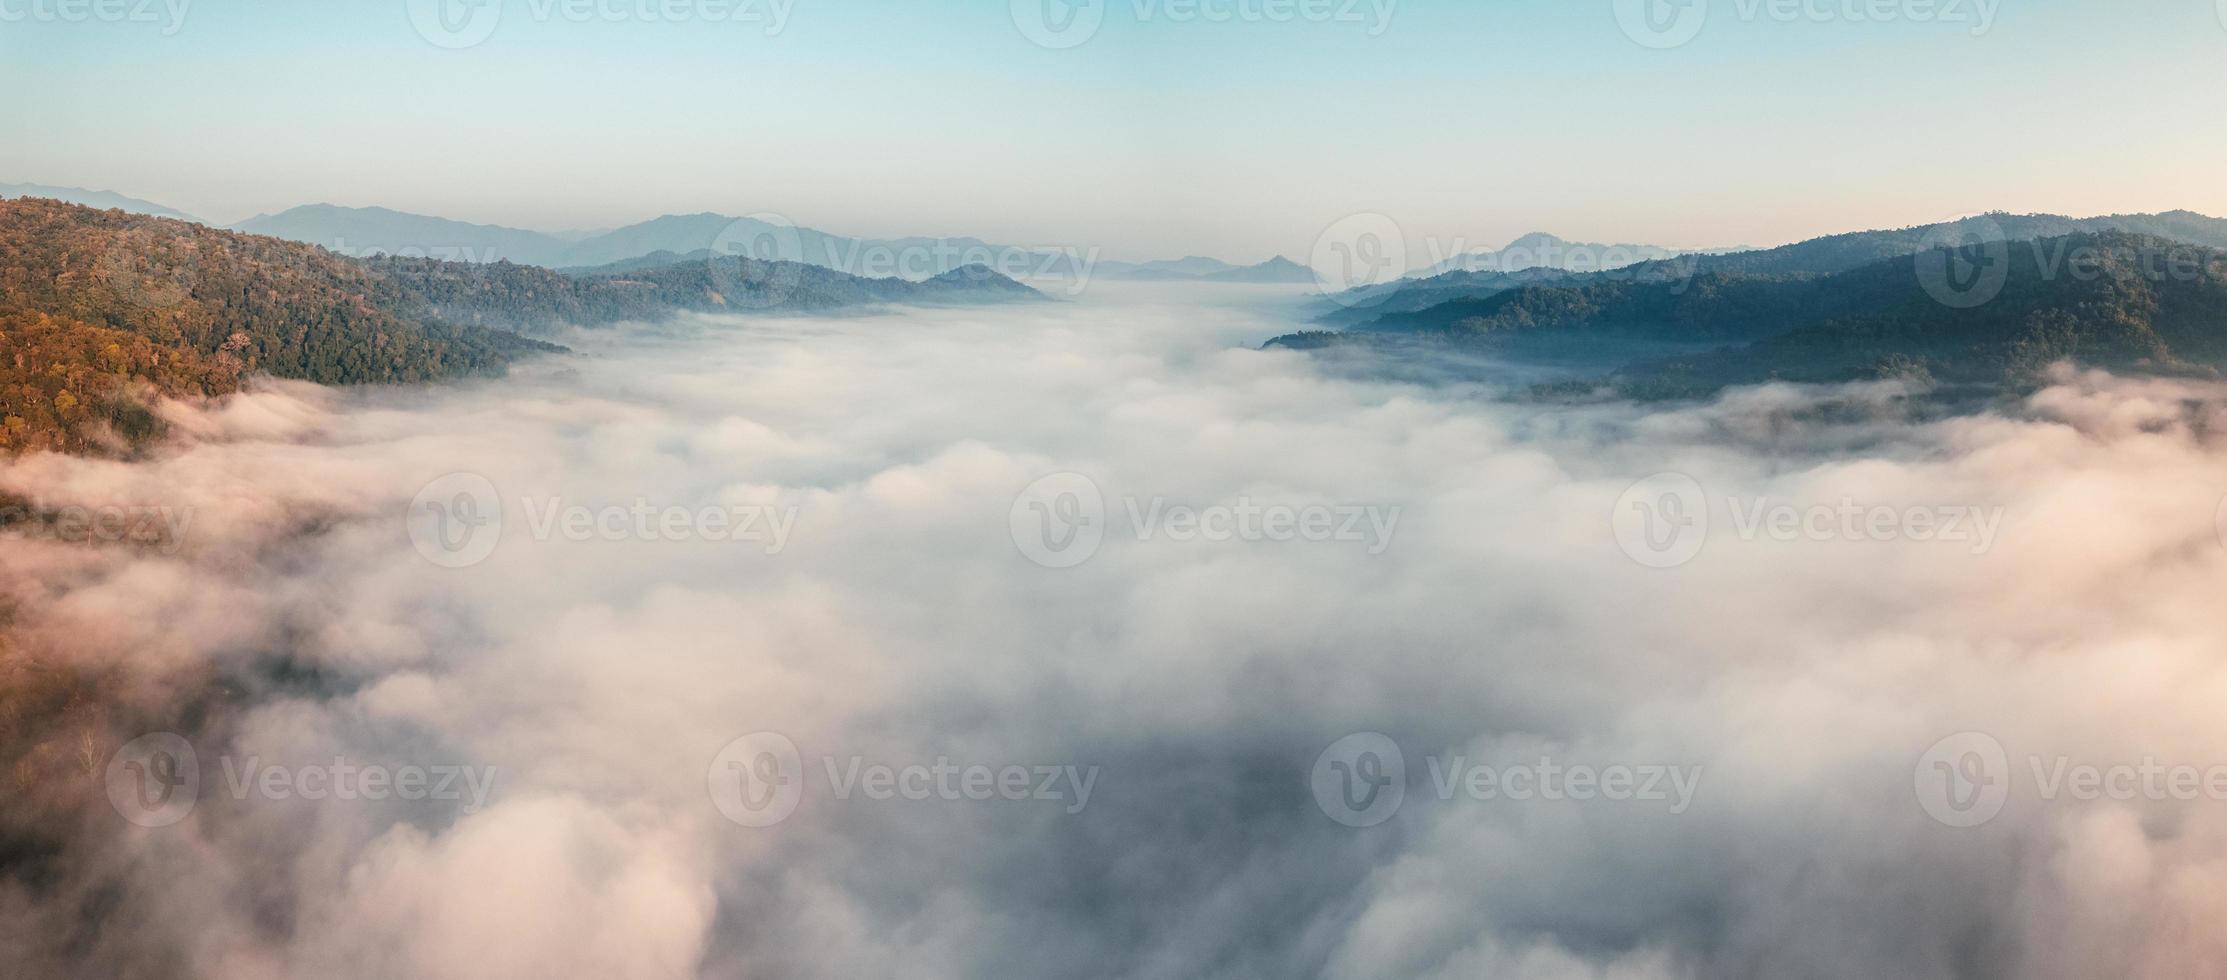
1275,270
1537,239
1544,250
104,200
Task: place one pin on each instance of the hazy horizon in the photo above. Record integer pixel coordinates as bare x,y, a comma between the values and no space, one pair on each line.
1164,134
1420,260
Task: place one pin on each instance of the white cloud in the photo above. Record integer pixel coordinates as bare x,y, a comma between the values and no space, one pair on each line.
902,624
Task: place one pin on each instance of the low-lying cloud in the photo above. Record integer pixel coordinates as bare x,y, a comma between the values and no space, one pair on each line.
656,715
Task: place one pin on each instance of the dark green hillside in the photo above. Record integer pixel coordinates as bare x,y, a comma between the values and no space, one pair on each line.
1825,256
2116,300
2125,302
532,300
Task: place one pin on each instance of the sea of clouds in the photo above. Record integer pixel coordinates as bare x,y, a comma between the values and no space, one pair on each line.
606,683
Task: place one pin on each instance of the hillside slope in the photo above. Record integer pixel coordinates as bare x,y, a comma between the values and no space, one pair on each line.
102,308
2116,300
1814,257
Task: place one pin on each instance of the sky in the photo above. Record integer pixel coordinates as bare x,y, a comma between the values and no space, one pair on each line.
1237,128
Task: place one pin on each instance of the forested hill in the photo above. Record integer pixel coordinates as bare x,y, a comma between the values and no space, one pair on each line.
1815,257
2122,301
532,300
1841,253
98,309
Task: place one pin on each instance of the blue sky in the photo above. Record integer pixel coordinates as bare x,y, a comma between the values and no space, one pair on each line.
1467,121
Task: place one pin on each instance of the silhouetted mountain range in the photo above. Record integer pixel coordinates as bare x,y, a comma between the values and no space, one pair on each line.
1536,257
1275,270
1540,250
1188,267
1989,315
1814,257
92,199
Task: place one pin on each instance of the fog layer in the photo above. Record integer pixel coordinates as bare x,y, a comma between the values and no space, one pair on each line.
1482,612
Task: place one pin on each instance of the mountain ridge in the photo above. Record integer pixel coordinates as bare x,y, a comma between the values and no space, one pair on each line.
2113,299
103,200
102,311
1822,255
